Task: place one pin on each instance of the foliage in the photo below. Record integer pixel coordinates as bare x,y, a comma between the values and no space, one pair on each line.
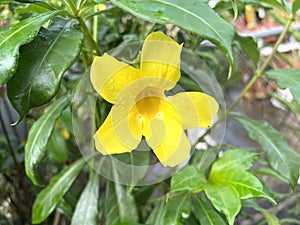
46,50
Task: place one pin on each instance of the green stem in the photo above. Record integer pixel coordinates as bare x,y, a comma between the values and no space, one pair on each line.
70,4
260,71
95,26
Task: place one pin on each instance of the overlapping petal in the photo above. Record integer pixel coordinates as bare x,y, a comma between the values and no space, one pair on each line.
195,108
161,58
110,76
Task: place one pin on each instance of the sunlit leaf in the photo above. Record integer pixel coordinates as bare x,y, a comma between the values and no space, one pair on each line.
49,198
39,134
11,40
195,16
278,153
188,178
295,6
41,66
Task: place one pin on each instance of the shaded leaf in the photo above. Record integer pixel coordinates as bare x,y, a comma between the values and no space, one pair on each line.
278,153
287,78
65,208
49,198
196,16
205,213
156,214
187,178
295,6
225,199
271,218
86,211
178,208
11,40
41,66
57,148
206,159
38,137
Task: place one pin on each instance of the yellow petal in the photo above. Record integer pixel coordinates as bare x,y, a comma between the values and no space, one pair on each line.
195,108
110,76
120,132
163,131
161,58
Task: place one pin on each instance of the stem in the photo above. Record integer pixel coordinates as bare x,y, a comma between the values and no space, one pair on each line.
260,71
95,26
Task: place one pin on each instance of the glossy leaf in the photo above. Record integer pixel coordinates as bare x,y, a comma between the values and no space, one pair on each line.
278,153
287,78
188,178
195,16
249,46
244,182
156,214
41,66
235,159
225,199
11,40
178,208
39,134
49,198
205,213
119,205
86,211
295,6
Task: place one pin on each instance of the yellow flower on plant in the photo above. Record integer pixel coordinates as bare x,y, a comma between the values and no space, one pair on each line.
140,107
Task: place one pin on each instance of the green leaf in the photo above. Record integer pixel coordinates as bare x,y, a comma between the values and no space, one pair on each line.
156,214
188,178
244,182
287,78
271,218
295,6
271,3
39,135
41,66
119,205
86,211
57,148
270,172
235,159
205,213
178,208
249,46
207,158
11,40
65,208
48,199
191,15
278,153
225,199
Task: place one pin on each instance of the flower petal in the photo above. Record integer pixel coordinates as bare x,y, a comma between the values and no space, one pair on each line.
164,133
110,76
195,108
120,132
161,58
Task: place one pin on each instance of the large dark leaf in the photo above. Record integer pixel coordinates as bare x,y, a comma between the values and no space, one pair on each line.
86,212
39,135
41,66
287,78
192,15
49,198
11,40
278,153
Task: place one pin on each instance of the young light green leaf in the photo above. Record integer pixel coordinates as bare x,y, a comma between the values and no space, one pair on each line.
117,205
295,6
41,66
187,178
11,40
49,198
205,213
178,208
287,78
271,218
86,211
39,134
156,214
235,159
278,153
225,199
249,46
196,16
244,182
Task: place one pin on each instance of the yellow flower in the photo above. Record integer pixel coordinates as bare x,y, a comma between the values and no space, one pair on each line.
140,107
